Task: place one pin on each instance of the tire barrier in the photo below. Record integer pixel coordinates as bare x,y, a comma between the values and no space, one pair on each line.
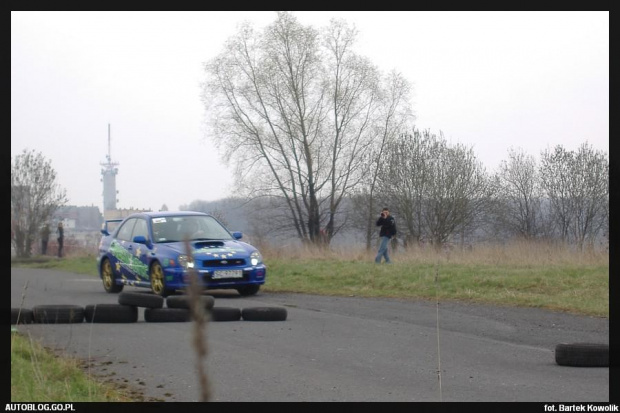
264,314
225,314
58,314
110,313
183,301
582,354
145,300
21,316
165,315
178,310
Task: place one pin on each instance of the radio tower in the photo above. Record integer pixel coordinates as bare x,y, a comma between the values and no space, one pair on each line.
109,172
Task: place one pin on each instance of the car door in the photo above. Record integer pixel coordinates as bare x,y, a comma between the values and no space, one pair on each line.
140,251
123,249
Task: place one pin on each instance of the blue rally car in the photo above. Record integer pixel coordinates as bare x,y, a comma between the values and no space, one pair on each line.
148,249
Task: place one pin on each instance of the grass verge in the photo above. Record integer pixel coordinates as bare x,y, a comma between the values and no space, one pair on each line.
38,375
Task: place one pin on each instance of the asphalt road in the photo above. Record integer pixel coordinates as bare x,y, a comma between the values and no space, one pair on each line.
330,349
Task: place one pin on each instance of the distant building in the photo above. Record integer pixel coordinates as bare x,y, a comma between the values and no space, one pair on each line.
86,218
121,213
82,226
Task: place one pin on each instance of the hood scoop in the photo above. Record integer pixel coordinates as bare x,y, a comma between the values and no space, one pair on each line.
208,244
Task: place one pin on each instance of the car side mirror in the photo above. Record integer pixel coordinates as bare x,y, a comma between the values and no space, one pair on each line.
105,232
237,234
139,239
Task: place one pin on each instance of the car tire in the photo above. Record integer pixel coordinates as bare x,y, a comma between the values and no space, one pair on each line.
582,354
158,283
247,290
264,314
110,313
141,300
21,316
108,279
58,314
225,314
183,301
167,315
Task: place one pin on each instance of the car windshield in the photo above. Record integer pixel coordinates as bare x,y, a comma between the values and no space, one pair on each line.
191,227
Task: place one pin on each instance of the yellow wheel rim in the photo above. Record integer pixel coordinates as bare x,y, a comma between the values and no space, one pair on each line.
157,278
108,278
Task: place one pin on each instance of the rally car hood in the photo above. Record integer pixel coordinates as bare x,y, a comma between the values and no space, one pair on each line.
212,248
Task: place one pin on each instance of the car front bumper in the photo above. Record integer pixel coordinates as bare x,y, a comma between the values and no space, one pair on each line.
178,278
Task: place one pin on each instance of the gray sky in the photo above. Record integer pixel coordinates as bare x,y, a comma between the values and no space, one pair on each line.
490,80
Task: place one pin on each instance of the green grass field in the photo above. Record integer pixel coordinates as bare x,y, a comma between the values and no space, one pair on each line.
522,275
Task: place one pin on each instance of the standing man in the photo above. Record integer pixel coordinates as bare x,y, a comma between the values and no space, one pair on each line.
388,230
45,237
61,238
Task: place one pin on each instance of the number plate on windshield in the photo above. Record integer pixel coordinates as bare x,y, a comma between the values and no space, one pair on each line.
227,274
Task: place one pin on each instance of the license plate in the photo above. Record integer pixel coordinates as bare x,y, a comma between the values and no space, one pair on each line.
227,274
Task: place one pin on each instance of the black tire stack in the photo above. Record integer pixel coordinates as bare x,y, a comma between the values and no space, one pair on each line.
177,309
58,314
21,316
110,313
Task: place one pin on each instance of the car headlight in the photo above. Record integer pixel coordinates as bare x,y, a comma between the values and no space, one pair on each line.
256,258
186,262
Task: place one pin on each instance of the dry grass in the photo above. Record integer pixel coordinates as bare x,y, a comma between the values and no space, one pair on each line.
517,253
519,274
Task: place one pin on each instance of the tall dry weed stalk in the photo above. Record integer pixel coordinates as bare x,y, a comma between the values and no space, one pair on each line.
438,347
199,317
21,304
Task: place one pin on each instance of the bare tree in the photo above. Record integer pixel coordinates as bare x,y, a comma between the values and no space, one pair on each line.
456,191
295,109
439,189
404,177
577,186
519,196
395,114
35,195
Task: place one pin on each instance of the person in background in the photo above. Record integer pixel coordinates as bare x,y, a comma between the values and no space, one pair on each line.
45,237
388,230
61,238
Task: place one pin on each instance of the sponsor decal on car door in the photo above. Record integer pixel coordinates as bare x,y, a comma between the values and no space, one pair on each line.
138,262
119,249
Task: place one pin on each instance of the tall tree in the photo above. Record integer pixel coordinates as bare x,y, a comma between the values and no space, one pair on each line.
296,110
35,196
457,193
394,117
577,186
441,188
404,179
519,196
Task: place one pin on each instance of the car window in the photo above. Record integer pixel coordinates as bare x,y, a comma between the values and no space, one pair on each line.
164,230
112,226
124,233
177,228
141,228
214,229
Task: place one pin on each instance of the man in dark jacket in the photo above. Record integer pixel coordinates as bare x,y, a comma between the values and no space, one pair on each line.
388,230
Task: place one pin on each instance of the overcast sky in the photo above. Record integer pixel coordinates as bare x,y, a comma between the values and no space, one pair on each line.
490,80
